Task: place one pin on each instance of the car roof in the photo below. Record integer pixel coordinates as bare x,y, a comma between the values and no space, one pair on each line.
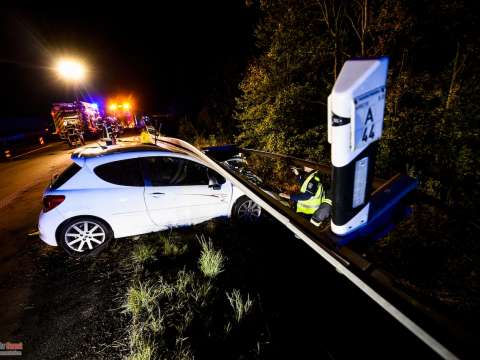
95,155
99,150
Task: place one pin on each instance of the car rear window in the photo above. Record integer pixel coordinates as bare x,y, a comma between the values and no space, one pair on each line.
66,175
122,172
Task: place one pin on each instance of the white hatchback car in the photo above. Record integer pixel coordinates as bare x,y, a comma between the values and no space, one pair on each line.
131,190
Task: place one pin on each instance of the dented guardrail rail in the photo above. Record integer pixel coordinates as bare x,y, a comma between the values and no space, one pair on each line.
373,282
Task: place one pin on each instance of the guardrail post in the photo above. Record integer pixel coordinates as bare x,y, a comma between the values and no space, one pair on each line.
355,123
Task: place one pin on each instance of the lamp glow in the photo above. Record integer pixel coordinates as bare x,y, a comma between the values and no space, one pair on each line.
71,70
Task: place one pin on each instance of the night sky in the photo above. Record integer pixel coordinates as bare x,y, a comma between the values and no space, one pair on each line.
168,57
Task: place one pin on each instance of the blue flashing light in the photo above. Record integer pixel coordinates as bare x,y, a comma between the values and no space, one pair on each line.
95,106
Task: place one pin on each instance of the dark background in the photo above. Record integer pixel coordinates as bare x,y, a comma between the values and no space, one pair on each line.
167,57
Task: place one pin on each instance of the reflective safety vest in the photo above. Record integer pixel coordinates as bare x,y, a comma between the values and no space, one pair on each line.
145,137
309,206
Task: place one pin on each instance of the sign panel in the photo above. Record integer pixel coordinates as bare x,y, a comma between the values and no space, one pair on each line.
360,182
368,124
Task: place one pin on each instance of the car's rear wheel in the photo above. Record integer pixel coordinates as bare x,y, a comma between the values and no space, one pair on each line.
84,236
247,210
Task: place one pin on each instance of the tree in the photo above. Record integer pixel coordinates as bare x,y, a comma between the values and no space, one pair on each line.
282,107
431,119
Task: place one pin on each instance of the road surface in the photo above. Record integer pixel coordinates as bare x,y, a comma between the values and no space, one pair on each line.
22,182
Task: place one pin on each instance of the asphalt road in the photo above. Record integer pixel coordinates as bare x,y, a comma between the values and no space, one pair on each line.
22,182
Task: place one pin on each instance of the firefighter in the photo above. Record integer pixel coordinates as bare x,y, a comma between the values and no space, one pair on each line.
146,137
312,201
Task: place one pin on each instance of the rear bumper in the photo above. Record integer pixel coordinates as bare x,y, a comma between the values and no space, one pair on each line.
47,226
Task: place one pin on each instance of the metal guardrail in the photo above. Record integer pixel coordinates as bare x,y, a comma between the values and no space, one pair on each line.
324,168
375,283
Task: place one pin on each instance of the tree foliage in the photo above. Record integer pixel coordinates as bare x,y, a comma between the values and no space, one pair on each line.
284,91
431,126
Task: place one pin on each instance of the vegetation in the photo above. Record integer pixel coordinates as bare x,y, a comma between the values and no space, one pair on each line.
211,261
431,127
176,301
239,306
431,121
140,297
143,253
431,132
171,247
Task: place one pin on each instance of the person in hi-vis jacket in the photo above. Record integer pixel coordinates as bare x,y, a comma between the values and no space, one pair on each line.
312,201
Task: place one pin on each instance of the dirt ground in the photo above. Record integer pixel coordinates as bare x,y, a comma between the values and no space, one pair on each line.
73,309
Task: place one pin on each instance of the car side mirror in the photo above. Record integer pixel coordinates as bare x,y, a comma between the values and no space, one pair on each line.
213,183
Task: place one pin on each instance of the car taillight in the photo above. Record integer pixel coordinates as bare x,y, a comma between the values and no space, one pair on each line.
52,201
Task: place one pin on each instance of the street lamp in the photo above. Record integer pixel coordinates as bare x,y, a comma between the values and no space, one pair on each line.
71,70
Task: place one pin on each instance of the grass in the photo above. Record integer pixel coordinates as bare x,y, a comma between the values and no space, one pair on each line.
239,306
171,247
168,307
144,351
178,308
211,261
156,322
140,297
143,253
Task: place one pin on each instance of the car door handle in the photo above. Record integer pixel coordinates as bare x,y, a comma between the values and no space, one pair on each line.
155,194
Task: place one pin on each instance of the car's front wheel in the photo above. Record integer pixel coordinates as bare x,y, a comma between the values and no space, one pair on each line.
84,236
246,210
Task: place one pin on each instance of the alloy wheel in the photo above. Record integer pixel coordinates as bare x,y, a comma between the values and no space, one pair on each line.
84,235
249,210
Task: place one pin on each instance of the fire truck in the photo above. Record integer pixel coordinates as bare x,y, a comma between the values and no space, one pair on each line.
73,121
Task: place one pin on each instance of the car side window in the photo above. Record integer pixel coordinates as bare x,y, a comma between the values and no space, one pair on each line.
162,170
195,174
170,171
122,172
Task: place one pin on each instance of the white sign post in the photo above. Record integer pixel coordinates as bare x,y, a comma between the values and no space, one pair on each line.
355,123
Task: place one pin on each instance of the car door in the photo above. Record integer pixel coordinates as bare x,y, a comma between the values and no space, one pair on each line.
120,201
178,191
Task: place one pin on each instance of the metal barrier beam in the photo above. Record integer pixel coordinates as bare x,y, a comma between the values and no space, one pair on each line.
325,248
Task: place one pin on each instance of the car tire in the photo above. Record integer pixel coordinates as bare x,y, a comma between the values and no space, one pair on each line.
84,236
246,210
